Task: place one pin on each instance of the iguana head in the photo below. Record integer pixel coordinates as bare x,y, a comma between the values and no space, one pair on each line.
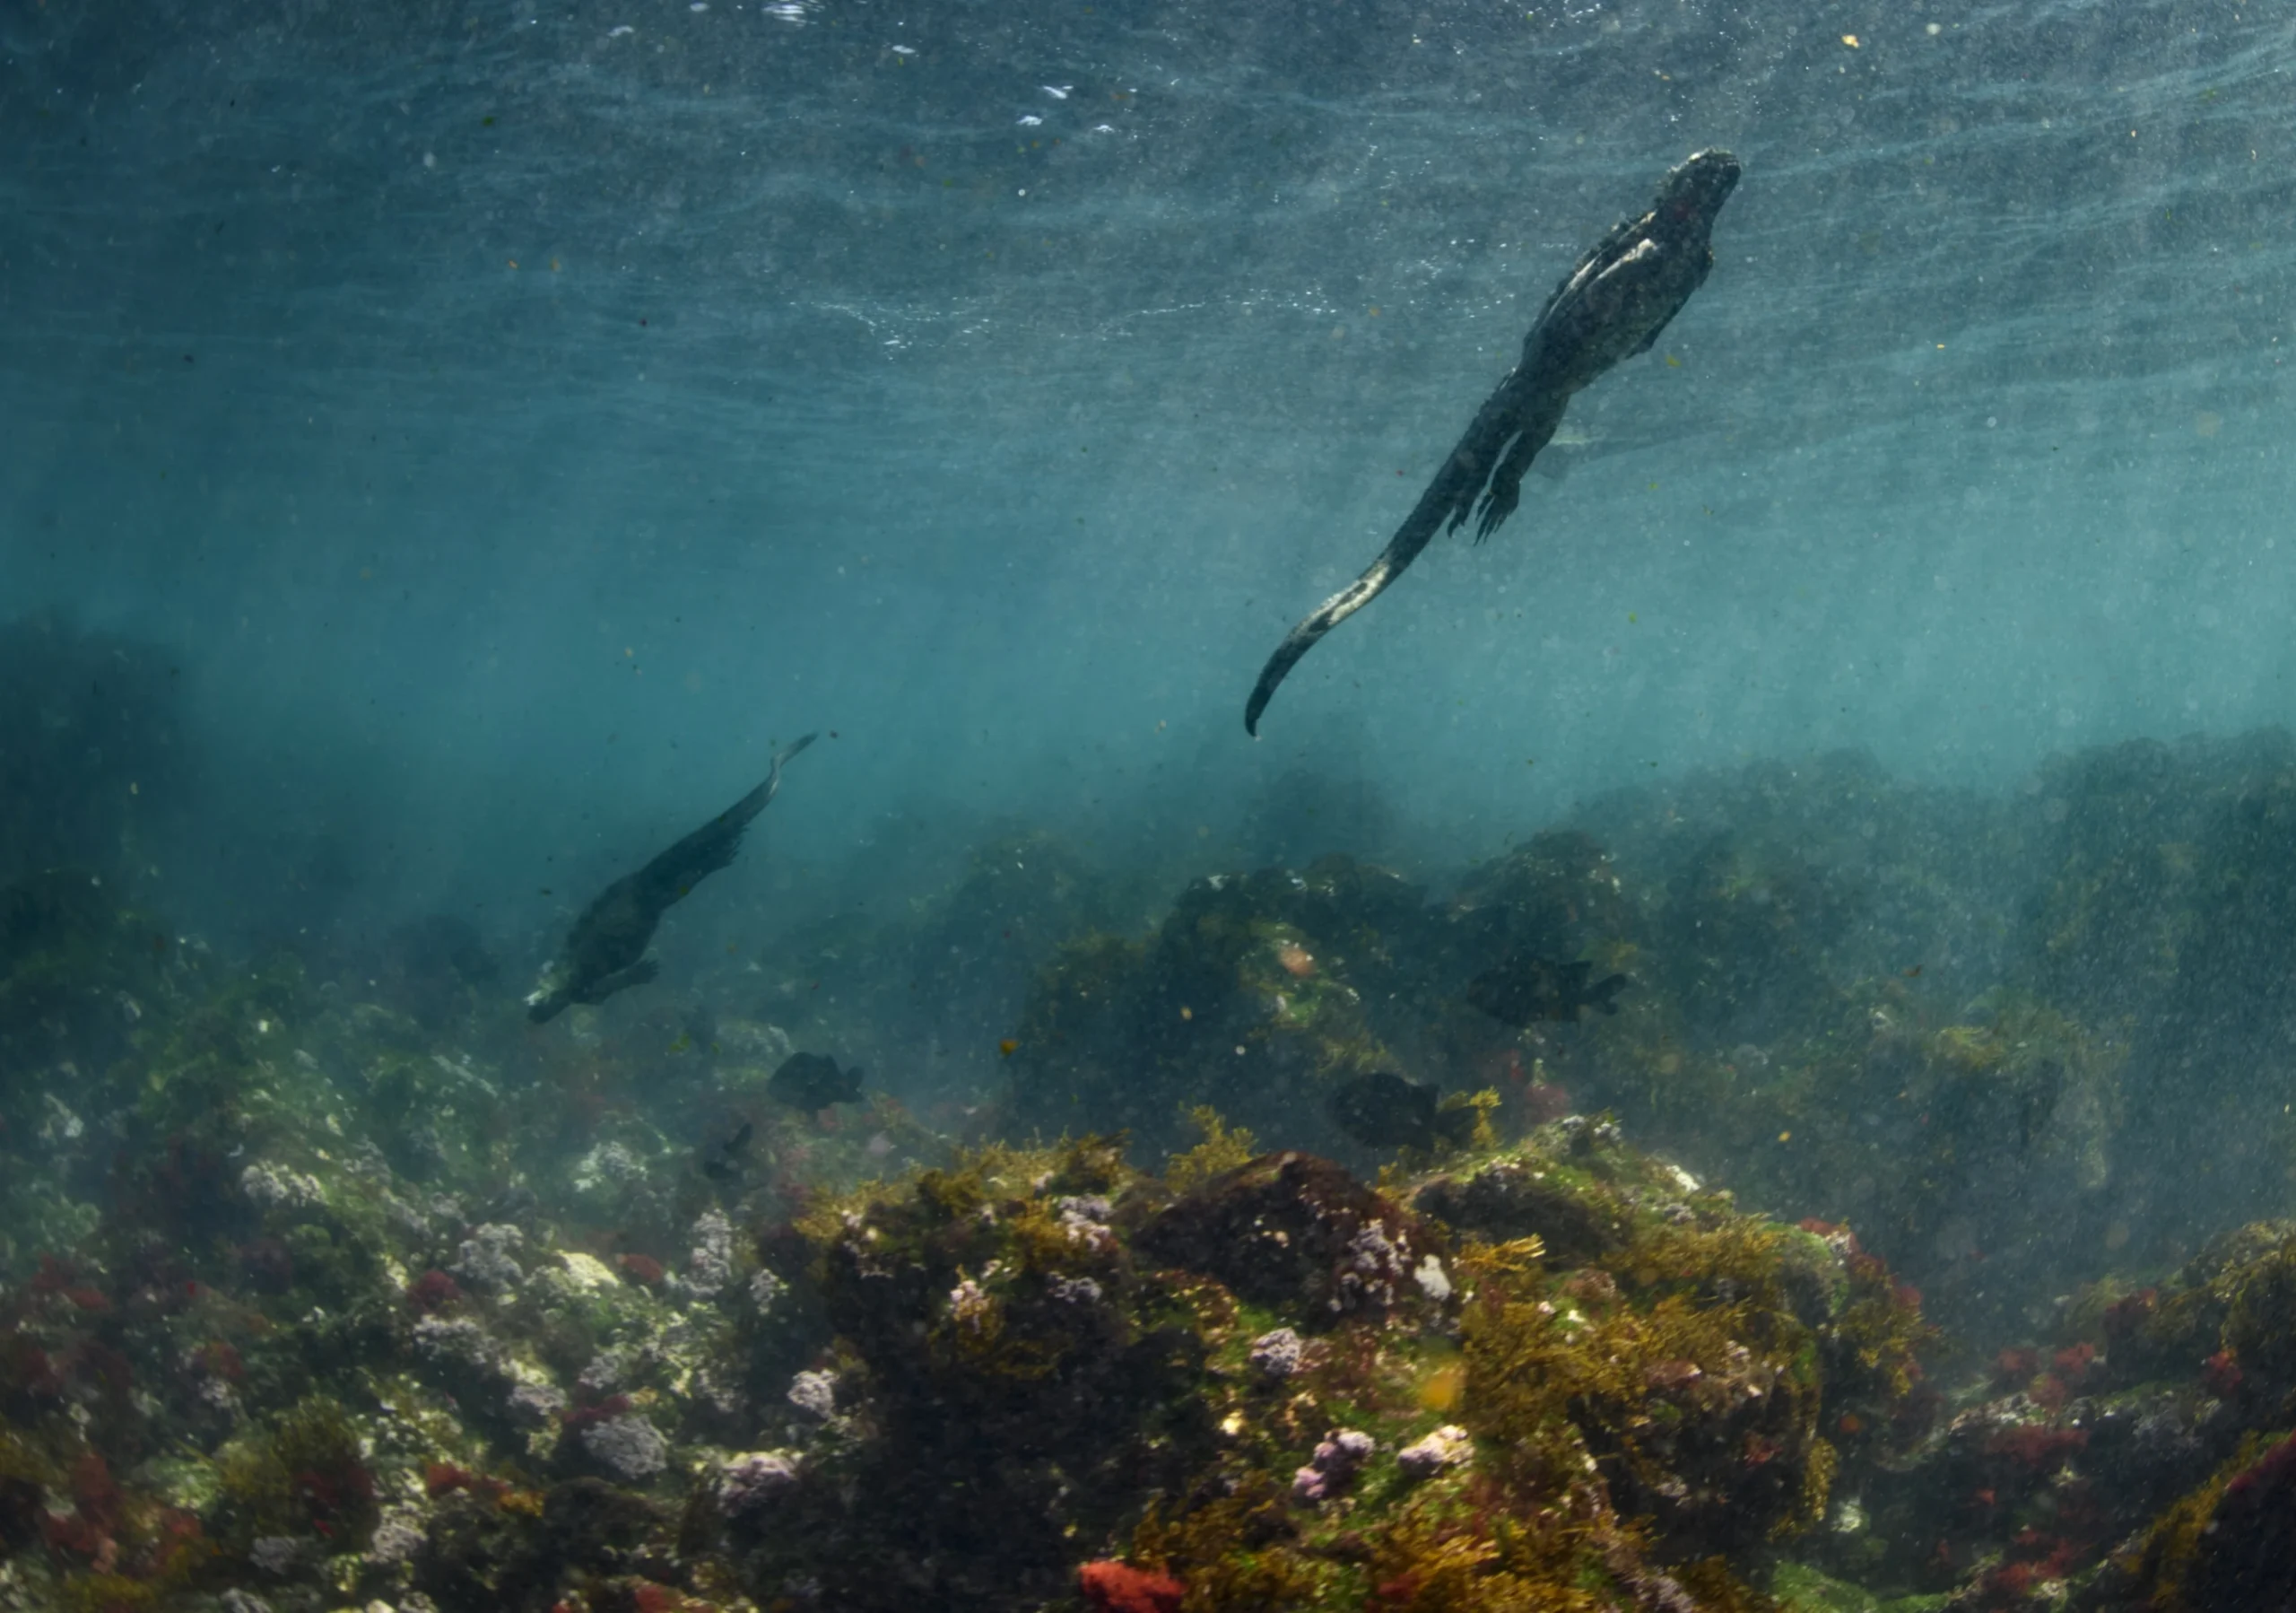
1697,188
551,993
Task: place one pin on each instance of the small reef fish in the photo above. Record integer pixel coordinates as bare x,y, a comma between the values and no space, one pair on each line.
725,1160
1609,307
605,951
813,1082
1386,1111
1524,989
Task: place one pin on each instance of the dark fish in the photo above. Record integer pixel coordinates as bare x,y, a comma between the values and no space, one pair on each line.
812,1081
1611,306
725,1160
1524,989
605,951
1386,1111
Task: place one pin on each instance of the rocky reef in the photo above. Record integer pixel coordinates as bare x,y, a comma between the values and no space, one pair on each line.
1014,1380
1839,1270
345,1319
2008,1039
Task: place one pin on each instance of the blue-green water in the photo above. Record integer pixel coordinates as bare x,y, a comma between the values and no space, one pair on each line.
509,425
449,448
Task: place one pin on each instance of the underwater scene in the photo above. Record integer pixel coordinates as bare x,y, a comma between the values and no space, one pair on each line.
1057,808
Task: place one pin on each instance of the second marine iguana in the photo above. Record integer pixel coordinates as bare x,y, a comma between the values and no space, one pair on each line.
605,951
1611,306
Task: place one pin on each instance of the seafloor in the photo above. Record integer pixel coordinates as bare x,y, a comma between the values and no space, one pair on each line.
1901,1242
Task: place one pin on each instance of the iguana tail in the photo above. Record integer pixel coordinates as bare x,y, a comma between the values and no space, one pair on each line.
1510,414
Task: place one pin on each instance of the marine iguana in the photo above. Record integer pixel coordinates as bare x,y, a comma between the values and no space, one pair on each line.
1611,306
605,951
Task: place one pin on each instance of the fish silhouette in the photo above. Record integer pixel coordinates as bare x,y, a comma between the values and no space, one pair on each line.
812,1081
1524,989
1386,1110
724,1160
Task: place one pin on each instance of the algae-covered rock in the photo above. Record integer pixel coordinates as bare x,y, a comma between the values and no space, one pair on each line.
336,1301
1251,995
2241,1557
1265,994
1723,1373
515,1549
1503,1199
1279,1386
1621,1424
1020,1383
2134,1460
1298,1234
1559,894
445,1372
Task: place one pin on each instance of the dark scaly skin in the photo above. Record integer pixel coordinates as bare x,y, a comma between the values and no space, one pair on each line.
605,951
1611,306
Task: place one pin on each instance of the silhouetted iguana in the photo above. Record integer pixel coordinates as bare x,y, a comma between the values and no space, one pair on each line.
1611,306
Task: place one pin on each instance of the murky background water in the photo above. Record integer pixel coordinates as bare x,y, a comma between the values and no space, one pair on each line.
508,419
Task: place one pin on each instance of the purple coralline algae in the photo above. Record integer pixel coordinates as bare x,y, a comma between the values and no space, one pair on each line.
605,1370
272,1186
607,1164
1374,1265
1085,1216
1449,1446
628,1446
752,1480
277,1555
535,1403
765,1289
484,1262
398,1538
709,1264
1333,1466
814,1393
458,1341
1277,1355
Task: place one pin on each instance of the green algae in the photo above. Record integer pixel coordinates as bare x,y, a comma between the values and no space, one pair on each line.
2165,1558
1218,1149
1006,1348
1801,1589
1250,994
306,1480
1686,1281
1591,1391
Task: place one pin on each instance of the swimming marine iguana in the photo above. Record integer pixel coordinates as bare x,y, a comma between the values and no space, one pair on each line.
605,951
1611,306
